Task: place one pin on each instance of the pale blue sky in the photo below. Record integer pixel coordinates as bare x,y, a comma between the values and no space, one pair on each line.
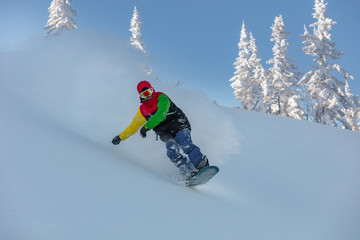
195,41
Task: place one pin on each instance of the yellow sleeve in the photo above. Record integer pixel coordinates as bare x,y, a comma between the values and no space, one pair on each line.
137,122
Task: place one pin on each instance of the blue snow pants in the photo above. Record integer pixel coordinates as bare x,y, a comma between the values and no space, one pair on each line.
183,153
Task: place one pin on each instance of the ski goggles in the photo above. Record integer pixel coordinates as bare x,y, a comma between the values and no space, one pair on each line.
147,93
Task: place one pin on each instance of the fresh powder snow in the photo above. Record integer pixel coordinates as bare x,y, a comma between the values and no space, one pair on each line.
63,99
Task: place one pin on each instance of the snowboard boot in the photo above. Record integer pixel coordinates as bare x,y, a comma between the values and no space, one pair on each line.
202,164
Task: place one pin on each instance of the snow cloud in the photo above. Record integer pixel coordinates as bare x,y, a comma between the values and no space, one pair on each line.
88,82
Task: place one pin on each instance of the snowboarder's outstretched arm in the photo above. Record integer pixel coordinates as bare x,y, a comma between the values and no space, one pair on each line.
137,122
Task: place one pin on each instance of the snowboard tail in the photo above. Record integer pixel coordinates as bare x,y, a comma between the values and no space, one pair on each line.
203,176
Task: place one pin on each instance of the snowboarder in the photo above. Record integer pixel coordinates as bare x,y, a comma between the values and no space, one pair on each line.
157,112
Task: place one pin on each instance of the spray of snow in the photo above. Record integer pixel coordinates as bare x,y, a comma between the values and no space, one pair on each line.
89,83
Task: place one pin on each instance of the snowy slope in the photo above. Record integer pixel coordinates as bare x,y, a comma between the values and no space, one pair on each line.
63,100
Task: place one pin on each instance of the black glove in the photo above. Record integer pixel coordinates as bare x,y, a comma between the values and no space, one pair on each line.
143,131
116,140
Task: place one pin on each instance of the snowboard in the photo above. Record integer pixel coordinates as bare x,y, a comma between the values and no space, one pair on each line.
203,176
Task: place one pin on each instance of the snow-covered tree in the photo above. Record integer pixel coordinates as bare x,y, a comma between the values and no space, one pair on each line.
325,89
246,86
241,79
61,17
258,77
352,113
285,99
136,26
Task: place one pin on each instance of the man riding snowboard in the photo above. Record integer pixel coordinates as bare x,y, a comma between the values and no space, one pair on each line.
157,112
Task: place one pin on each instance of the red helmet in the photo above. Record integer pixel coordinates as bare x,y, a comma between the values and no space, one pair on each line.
143,85
145,90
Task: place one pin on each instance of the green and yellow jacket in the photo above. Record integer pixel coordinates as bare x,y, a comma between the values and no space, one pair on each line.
159,114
